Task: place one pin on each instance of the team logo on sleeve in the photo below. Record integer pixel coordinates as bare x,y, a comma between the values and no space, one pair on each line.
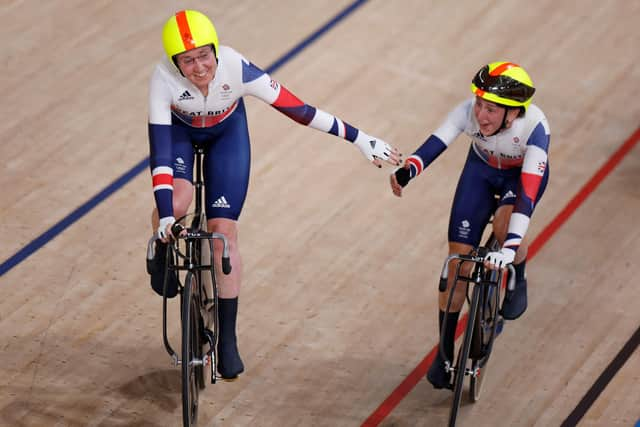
542,166
274,85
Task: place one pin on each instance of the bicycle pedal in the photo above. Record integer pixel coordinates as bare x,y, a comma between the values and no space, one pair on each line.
217,376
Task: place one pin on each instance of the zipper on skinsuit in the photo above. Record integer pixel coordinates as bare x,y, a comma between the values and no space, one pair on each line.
204,112
495,150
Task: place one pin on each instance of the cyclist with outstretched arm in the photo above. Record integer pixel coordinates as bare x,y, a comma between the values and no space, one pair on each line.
508,158
196,96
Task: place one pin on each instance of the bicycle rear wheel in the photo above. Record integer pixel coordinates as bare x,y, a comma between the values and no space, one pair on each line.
191,352
463,356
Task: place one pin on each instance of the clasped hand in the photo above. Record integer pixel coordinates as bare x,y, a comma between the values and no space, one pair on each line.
377,150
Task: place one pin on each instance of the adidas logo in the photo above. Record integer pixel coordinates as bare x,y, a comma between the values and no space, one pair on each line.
221,203
185,96
373,143
508,195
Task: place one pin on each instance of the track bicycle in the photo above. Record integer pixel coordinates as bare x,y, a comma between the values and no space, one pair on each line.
484,321
191,254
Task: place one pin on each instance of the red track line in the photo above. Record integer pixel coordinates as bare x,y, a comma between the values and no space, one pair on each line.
584,192
420,371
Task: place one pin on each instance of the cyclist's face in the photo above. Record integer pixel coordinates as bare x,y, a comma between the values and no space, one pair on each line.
198,65
488,115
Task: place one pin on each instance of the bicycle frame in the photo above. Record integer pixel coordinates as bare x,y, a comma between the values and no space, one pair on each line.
191,262
485,282
194,299
480,277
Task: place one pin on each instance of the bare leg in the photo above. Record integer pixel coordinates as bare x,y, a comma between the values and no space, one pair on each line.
228,285
500,228
182,197
461,289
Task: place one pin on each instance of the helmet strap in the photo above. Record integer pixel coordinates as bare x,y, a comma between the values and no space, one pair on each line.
175,61
504,119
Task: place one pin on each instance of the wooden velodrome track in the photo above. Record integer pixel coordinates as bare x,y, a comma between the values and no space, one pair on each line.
339,300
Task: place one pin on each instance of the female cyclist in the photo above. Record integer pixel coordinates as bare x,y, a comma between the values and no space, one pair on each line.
196,96
508,159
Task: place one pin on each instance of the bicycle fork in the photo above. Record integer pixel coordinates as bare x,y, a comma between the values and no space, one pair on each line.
210,355
463,353
209,358
467,371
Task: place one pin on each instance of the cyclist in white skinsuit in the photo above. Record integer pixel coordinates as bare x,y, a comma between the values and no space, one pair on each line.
507,158
196,97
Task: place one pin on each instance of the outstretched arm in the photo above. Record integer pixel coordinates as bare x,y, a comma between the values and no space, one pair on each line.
431,148
416,163
259,84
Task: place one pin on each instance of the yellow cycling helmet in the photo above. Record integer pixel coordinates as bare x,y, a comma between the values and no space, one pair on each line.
504,83
186,30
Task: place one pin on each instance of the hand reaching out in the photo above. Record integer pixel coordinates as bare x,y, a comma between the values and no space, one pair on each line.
377,150
400,178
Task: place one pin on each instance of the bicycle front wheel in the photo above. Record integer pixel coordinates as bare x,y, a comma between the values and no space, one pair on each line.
484,335
485,319
191,349
463,356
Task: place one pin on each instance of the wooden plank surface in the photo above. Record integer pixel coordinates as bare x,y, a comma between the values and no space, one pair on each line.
339,297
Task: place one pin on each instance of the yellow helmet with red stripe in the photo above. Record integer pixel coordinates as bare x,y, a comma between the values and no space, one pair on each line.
186,30
504,83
